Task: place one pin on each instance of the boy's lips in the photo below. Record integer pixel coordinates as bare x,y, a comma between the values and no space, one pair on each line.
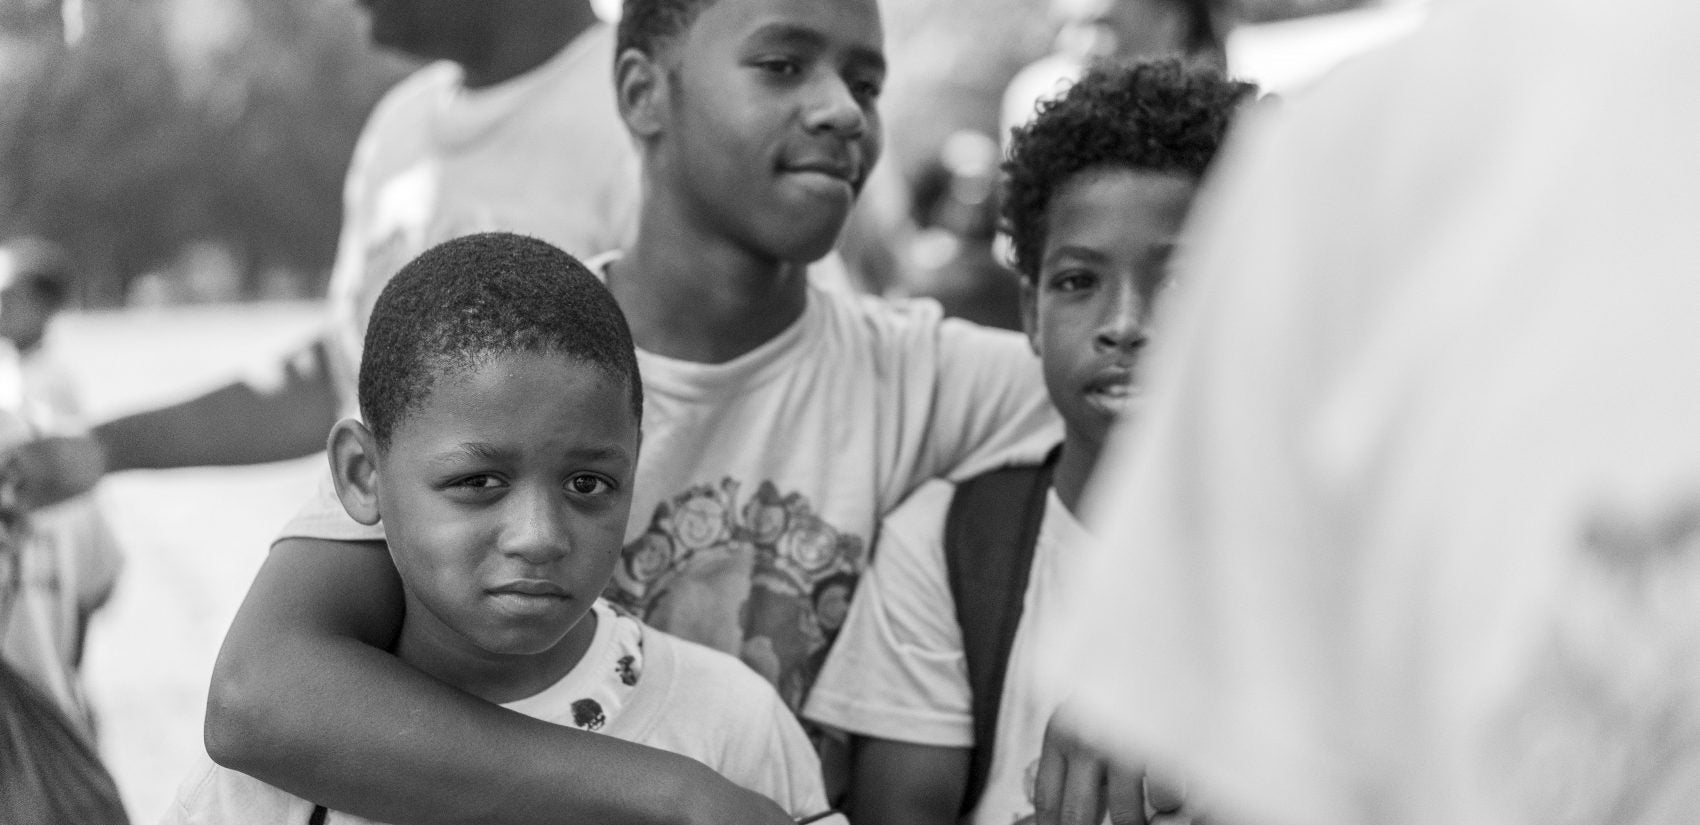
528,599
536,588
1111,390
840,169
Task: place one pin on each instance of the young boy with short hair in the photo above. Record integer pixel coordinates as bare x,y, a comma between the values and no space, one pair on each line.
1097,188
783,421
501,410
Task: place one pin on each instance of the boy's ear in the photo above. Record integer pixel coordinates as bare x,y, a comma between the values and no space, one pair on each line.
640,89
1030,314
353,452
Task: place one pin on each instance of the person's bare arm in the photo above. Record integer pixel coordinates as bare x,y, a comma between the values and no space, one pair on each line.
239,423
305,697
902,783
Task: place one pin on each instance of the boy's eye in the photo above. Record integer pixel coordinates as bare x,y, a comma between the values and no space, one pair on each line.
1073,280
866,90
588,485
474,484
782,66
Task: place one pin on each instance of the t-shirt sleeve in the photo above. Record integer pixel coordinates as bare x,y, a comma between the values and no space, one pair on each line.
897,671
322,517
990,407
784,765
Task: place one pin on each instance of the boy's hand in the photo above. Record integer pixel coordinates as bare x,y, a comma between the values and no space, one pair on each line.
55,468
1078,782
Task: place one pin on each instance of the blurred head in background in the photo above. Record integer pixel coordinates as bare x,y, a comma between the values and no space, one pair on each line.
35,281
1125,30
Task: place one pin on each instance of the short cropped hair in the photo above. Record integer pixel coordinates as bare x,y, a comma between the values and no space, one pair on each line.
471,298
648,25
1167,115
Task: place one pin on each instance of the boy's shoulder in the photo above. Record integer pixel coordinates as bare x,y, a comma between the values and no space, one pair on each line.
901,324
414,95
714,678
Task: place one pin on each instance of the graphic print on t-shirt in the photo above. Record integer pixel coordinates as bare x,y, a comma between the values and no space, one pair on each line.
764,578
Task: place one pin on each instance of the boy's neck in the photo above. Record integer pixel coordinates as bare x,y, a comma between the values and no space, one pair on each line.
445,655
528,37
1074,469
696,297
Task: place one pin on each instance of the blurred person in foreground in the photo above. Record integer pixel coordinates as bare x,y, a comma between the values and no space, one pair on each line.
512,126
1410,532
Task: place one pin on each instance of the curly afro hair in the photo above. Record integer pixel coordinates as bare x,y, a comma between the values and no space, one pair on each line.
467,299
1167,115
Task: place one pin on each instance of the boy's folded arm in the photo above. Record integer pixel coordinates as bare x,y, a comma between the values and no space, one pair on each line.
305,697
905,783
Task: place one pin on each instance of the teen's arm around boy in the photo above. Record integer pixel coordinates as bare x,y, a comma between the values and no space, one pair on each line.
462,759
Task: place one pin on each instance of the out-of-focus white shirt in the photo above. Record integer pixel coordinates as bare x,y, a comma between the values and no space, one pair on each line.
1414,512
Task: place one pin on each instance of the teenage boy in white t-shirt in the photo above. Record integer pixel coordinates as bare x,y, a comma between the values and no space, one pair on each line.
501,404
783,421
1096,190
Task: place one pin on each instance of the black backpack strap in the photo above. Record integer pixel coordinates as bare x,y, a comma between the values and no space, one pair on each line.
989,536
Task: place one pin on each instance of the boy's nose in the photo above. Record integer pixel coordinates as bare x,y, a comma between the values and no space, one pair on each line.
1123,323
836,108
534,526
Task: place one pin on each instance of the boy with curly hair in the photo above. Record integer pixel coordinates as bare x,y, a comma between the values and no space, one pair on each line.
1097,188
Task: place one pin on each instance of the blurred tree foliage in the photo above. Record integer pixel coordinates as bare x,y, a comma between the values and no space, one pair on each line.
174,122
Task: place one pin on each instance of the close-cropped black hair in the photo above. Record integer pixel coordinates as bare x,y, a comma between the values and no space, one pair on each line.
1166,115
647,24
473,297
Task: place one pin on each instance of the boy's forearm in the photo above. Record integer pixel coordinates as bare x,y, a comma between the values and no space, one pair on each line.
902,783
239,423
303,699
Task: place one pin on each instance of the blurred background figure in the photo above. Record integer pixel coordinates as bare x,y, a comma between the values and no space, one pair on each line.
1409,531
954,206
56,567
68,556
1119,30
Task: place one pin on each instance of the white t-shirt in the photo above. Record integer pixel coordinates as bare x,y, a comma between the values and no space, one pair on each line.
544,154
1409,532
634,683
762,479
898,670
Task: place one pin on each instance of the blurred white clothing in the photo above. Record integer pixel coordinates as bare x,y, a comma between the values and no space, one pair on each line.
1410,530
66,560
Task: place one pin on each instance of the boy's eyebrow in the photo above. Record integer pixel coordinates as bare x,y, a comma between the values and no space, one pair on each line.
476,450
794,35
484,451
